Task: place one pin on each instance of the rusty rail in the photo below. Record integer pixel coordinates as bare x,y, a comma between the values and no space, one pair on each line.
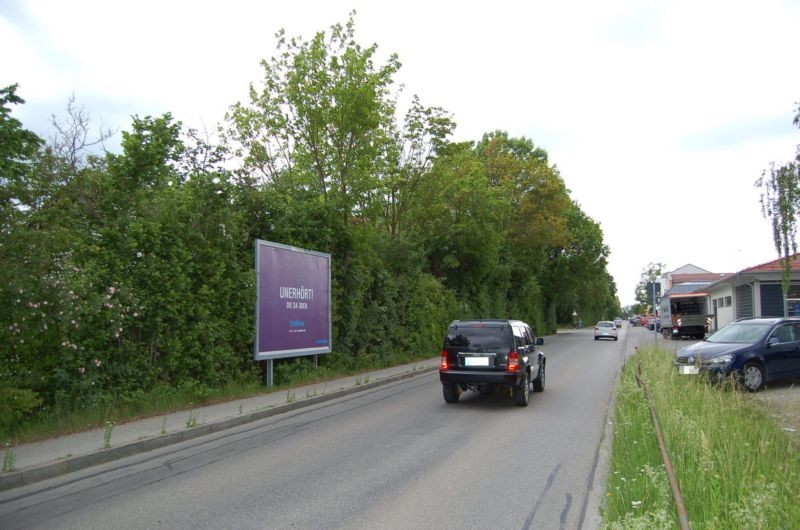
683,518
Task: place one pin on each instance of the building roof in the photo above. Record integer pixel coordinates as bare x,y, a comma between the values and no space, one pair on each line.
687,287
708,277
689,269
775,265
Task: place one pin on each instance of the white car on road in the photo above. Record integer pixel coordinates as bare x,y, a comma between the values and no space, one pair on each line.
605,329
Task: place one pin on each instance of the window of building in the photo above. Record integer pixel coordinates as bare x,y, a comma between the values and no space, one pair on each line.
794,291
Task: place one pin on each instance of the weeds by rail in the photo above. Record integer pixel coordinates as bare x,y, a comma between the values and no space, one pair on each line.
736,469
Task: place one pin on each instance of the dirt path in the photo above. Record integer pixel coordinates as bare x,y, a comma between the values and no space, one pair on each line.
783,402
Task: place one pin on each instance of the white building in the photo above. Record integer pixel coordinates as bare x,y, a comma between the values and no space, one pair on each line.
755,292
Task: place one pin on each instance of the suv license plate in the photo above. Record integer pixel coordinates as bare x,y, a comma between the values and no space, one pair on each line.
476,361
688,370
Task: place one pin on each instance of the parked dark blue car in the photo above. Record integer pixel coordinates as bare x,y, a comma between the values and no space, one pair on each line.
755,350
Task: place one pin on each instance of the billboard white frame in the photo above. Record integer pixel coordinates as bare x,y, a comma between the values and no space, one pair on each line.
291,284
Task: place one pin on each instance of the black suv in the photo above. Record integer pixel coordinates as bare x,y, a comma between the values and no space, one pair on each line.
486,355
755,350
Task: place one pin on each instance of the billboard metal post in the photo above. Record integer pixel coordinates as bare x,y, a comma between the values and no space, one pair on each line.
293,304
268,373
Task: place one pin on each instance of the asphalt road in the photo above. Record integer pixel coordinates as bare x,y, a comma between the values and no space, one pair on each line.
393,457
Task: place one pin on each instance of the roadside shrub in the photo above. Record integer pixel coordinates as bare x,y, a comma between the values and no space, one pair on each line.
16,404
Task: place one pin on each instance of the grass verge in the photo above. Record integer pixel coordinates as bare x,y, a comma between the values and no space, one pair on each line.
60,420
735,467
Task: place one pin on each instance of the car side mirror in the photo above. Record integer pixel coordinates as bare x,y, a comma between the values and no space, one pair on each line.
773,340
539,341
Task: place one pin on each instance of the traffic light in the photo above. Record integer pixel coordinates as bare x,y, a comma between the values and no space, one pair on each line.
653,295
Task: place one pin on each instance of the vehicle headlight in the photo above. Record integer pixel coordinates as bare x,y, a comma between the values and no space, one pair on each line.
720,359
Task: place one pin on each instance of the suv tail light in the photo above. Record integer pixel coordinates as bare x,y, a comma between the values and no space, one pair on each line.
443,365
513,361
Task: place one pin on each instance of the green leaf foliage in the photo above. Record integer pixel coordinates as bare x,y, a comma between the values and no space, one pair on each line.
132,274
18,147
16,405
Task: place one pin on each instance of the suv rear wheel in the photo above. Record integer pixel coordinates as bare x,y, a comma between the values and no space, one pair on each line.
451,392
522,393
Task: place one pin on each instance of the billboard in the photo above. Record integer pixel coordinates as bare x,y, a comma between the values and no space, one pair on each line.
293,301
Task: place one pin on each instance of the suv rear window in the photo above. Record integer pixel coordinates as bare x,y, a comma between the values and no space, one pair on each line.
477,337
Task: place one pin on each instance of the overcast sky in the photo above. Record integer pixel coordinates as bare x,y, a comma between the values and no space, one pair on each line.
660,115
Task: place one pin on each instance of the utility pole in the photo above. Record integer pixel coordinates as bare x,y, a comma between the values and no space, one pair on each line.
655,313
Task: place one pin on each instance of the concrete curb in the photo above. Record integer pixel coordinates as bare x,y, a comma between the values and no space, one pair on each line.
24,477
592,512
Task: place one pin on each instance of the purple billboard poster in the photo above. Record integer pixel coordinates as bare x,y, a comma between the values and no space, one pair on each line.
293,308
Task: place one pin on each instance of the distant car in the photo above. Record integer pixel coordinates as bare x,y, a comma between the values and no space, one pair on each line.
654,323
753,350
605,329
635,320
489,355
618,322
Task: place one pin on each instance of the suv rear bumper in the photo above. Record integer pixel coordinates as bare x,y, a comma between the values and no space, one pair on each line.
472,377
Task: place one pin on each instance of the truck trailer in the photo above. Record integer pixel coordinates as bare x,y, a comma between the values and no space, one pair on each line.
684,315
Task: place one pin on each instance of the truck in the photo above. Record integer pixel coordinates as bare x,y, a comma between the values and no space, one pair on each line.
684,315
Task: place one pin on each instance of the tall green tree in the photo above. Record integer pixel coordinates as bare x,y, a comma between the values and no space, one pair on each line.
534,216
318,137
133,274
455,218
423,137
538,200
18,149
780,202
576,276
168,248
320,118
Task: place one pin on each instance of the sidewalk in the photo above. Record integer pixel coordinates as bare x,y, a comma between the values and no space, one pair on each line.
49,458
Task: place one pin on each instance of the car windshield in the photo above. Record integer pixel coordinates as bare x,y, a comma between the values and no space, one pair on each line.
740,332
